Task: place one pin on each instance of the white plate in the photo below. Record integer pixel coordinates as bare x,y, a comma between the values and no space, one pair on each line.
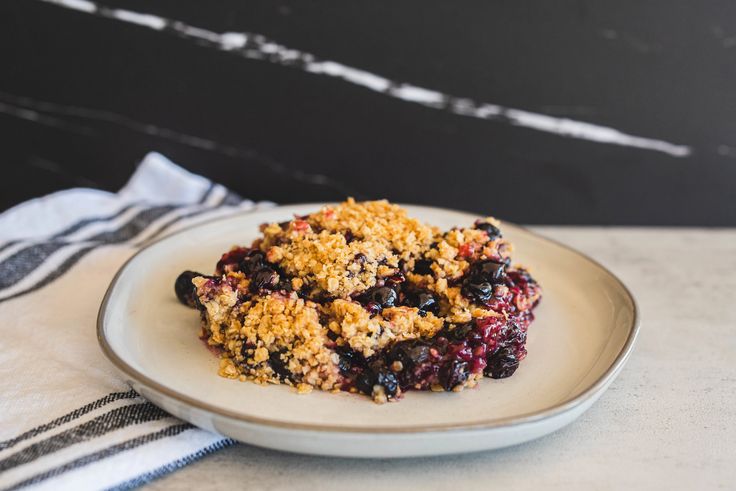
585,329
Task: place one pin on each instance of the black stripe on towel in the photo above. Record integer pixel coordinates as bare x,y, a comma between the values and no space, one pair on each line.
127,231
103,454
89,221
71,416
73,259
172,466
76,226
113,420
207,193
25,261
54,274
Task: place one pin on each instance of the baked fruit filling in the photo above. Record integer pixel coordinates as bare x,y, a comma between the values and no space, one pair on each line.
360,297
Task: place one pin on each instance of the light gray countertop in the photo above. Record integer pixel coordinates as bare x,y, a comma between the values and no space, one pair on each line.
667,422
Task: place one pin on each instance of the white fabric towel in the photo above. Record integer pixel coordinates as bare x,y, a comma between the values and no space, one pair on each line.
66,420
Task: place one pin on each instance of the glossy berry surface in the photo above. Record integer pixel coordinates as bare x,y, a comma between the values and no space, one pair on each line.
379,298
492,271
481,279
230,261
423,300
491,230
252,262
184,288
452,374
502,364
264,279
478,290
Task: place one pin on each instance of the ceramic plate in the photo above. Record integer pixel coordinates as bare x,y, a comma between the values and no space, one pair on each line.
585,328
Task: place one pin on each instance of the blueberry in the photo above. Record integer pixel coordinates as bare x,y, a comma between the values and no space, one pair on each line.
483,275
185,290
424,301
453,374
373,308
492,231
477,289
423,266
515,337
279,366
264,279
418,353
388,381
503,363
349,236
349,359
365,381
383,297
252,262
490,270
409,353
344,365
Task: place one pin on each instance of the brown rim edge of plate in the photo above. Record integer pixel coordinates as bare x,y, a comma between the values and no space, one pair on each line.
556,410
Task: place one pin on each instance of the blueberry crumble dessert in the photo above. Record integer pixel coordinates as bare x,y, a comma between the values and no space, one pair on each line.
360,297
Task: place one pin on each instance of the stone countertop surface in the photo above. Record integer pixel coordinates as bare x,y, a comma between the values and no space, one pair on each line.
667,422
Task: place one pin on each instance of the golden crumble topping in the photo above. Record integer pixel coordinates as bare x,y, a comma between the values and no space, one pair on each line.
361,297
343,250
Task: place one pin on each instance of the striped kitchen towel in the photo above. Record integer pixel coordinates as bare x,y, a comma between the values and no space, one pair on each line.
66,420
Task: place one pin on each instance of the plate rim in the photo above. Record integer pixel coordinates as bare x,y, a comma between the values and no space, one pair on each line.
589,393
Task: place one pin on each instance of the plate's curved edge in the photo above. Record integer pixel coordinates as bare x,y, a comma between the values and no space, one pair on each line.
553,411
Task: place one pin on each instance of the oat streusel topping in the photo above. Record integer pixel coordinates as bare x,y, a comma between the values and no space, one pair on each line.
361,297
343,250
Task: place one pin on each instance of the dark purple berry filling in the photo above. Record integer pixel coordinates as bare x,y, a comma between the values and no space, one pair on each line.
492,346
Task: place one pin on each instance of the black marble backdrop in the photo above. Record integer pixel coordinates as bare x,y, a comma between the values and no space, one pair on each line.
538,112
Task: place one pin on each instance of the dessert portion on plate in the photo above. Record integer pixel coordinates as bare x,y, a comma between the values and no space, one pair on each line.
360,297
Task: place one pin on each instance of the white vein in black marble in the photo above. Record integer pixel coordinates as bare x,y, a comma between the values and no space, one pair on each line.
258,47
34,110
43,119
